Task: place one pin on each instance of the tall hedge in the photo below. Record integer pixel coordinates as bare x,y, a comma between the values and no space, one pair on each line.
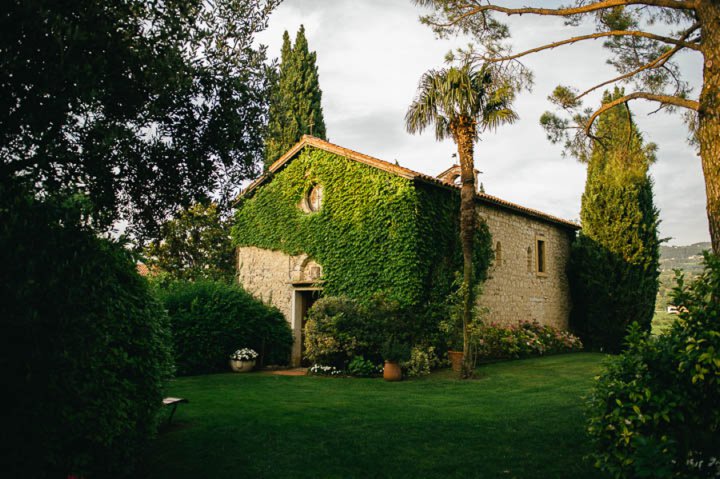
84,346
209,320
613,267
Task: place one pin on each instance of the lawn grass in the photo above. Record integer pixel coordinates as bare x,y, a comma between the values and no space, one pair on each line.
521,419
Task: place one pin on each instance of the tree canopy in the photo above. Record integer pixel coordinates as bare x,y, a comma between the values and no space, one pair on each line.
194,245
296,99
645,39
143,106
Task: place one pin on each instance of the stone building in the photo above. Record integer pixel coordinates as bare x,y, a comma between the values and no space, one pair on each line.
526,280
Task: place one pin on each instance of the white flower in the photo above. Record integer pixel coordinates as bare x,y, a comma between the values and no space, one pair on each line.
244,354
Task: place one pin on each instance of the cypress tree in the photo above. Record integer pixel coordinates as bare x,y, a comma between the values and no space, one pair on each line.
613,268
295,104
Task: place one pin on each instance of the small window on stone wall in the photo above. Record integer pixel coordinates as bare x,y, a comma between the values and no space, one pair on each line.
541,256
498,254
313,199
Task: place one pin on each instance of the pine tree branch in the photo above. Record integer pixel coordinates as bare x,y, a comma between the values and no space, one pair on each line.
613,33
569,11
663,99
657,63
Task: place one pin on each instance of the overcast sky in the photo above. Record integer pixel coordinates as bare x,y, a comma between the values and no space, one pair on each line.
371,54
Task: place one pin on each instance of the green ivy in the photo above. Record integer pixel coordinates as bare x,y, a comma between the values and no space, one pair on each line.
376,232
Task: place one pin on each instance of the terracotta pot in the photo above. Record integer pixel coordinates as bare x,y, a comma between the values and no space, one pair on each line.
456,360
392,371
242,366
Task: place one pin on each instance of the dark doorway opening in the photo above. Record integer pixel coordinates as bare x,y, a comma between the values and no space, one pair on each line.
307,299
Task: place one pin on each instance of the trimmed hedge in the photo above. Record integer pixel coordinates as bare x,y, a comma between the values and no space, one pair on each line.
85,348
209,320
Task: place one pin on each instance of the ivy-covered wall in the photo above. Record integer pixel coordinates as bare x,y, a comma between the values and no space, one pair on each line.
375,232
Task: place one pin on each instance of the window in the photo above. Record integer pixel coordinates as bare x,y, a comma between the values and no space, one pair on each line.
541,266
498,254
313,199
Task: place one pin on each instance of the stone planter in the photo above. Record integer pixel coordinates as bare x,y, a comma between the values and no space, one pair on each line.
456,360
242,366
392,371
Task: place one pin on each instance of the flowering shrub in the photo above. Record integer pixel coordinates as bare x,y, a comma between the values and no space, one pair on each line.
520,340
320,370
244,354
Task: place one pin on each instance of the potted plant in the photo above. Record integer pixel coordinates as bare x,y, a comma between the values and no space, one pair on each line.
243,360
452,327
394,351
453,333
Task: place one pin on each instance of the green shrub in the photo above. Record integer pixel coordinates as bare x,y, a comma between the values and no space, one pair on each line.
524,339
85,347
422,361
340,328
209,320
653,412
362,368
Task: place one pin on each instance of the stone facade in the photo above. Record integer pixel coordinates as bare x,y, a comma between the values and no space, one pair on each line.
280,280
515,290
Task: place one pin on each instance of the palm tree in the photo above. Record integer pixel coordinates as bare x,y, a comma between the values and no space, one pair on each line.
462,102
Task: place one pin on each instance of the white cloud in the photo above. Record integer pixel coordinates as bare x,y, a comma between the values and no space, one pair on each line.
371,54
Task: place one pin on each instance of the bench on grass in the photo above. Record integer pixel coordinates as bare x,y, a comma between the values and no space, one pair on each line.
174,403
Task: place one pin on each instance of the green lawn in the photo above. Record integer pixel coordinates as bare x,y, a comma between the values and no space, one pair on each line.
520,419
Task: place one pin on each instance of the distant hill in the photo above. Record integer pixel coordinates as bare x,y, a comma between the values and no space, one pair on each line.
686,258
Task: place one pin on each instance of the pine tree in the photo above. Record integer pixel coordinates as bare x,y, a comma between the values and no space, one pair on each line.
613,268
295,104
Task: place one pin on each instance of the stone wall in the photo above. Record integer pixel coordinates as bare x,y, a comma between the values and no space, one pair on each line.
279,279
515,290
266,275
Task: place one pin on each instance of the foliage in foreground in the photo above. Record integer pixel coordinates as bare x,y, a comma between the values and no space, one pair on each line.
145,106
613,267
209,320
653,412
85,347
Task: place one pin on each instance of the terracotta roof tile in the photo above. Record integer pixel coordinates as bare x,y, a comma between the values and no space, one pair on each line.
307,140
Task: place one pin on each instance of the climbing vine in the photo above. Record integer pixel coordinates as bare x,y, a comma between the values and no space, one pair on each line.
375,232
